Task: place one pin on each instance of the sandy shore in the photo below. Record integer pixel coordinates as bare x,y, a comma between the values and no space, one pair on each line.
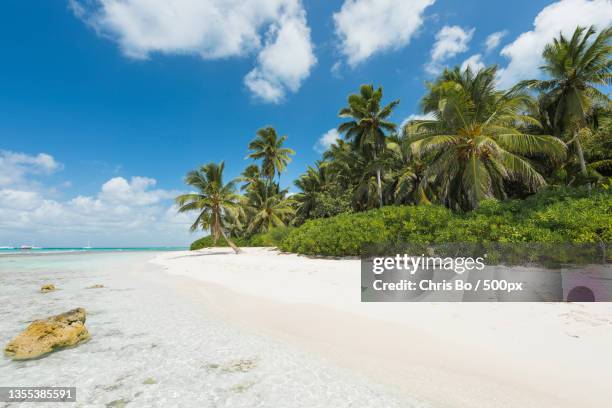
155,343
452,355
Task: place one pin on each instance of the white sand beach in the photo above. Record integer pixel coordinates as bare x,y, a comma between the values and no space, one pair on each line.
261,329
449,354
155,343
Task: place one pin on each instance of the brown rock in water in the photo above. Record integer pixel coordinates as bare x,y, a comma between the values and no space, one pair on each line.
44,336
96,286
49,287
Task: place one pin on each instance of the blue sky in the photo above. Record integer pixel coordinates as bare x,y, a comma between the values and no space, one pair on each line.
95,93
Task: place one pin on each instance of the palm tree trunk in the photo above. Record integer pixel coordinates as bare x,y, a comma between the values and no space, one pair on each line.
215,228
583,168
229,241
269,186
380,197
378,180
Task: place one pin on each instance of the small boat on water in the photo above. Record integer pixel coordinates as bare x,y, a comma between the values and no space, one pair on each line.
28,247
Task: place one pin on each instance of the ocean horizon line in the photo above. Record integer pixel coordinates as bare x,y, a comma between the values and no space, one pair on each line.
41,250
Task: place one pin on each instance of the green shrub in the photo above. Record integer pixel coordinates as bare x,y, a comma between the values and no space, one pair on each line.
271,238
347,233
329,204
556,215
207,242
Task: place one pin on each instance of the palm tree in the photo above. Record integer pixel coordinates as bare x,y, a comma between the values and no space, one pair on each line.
268,209
406,172
575,67
368,124
214,201
268,147
474,144
311,183
598,146
352,171
250,177
343,164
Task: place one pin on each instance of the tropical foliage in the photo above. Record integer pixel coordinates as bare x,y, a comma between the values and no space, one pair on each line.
215,202
472,166
475,144
575,67
261,206
368,126
540,218
268,147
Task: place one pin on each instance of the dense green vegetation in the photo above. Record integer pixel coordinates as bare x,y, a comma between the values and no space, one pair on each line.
555,216
270,238
527,164
209,241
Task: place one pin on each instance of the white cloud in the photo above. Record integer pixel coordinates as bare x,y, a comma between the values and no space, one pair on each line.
15,166
123,212
212,29
525,53
450,41
17,199
367,27
474,62
285,61
136,192
328,139
428,116
494,40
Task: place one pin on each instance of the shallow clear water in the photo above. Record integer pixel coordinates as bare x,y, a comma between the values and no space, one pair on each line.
37,251
153,345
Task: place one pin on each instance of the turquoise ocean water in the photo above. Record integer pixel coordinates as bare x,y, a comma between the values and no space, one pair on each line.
34,251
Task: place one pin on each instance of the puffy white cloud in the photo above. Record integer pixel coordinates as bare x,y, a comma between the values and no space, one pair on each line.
493,40
474,62
525,53
285,61
123,212
328,139
366,27
212,29
136,192
209,28
450,41
415,116
15,166
17,199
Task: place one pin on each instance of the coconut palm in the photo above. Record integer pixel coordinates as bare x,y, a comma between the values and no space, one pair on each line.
214,201
598,143
405,173
355,173
368,125
576,66
268,208
268,147
473,144
343,164
311,183
250,177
